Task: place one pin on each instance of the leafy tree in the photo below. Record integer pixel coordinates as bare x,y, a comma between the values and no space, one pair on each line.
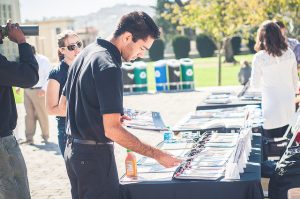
168,28
223,18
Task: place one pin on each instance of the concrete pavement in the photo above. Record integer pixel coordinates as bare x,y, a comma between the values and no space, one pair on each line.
46,170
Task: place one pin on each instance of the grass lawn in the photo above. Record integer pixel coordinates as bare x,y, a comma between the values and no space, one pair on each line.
205,73
18,98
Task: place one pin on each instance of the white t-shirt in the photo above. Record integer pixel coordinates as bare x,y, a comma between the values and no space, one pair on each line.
277,78
44,70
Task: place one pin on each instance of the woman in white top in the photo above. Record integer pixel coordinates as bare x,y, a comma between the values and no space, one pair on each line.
274,70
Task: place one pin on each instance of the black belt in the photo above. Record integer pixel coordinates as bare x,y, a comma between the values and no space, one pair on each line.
88,142
36,88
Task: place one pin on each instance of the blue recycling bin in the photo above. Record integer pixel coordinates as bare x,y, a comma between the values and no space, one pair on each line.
160,68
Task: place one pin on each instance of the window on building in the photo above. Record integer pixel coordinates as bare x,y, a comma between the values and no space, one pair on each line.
58,30
9,12
4,12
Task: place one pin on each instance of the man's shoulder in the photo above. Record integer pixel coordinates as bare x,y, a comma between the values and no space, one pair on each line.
42,59
99,55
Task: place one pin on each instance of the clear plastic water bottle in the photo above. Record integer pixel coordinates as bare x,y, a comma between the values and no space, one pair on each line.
168,136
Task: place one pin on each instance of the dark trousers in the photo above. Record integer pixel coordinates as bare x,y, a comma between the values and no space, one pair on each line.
275,133
273,149
62,137
280,185
92,171
13,171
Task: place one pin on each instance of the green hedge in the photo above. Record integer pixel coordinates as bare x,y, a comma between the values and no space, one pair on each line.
236,44
181,47
156,52
205,45
251,44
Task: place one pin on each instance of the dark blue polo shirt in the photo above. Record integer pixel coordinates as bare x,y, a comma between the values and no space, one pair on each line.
60,74
94,87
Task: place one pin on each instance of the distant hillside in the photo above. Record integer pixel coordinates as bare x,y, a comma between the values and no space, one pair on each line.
106,19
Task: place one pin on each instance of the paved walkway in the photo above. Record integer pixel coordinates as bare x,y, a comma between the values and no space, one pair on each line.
46,169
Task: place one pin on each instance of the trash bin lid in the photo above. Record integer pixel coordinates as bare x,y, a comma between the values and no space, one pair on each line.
173,63
160,63
186,62
127,66
140,64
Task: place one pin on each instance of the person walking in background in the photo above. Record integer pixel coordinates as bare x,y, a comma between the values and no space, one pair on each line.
34,102
69,45
292,43
274,70
94,92
244,73
13,171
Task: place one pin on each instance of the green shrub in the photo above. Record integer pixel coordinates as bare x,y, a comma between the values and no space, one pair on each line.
156,52
236,44
251,44
205,45
181,46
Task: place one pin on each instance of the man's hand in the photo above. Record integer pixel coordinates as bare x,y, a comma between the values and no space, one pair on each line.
168,160
15,34
124,117
18,90
40,93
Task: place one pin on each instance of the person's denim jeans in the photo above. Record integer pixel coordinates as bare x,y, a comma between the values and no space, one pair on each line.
62,137
13,172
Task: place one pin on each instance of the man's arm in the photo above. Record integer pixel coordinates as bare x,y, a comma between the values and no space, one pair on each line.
114,131
25,73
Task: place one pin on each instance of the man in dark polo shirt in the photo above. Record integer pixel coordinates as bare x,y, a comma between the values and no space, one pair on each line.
94,91
13,173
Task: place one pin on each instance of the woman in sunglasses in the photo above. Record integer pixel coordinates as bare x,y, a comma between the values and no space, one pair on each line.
69,46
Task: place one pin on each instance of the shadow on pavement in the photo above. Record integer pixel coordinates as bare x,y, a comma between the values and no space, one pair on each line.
49,146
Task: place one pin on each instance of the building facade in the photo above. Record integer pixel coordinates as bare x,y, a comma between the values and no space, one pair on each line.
9,9
46,42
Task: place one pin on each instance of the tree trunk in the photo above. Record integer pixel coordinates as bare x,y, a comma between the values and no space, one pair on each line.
228,51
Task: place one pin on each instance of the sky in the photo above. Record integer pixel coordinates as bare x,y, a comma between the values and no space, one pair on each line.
38,9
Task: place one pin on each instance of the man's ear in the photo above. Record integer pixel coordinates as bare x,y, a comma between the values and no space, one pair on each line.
126,37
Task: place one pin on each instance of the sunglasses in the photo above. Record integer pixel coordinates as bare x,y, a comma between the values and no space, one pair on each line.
72,47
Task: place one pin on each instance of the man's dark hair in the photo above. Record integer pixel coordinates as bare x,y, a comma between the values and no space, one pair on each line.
139,24
280,24
270,39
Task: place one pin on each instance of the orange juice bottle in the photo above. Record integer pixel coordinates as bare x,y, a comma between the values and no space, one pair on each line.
131,165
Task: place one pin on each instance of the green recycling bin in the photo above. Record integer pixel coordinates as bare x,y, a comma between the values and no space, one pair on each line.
140,77
187,73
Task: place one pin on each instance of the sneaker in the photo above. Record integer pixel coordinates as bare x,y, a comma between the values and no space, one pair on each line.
45,141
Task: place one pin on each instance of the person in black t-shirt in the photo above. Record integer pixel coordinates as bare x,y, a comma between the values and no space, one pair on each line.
13,172
94,92
69,45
